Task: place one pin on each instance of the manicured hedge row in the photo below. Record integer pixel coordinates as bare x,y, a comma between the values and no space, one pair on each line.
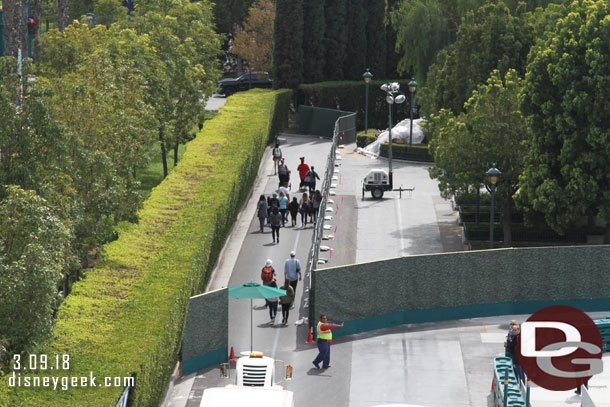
351,96
128,314
522,233
417,152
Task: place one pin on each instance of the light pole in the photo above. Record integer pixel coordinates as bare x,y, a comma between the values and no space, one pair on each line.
493,173
412,88
393,96
367,78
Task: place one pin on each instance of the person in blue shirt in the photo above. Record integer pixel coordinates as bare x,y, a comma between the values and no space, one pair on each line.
292,270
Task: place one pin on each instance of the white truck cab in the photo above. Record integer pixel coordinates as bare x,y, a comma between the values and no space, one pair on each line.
255,386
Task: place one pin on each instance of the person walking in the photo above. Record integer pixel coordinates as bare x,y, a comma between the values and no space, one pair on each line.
276,223
303,169
283,207
272,303
268,272
310,178
286,300
262,211
304,209
272,202
293,207
283,173
316,200
324,338
277,156
292,270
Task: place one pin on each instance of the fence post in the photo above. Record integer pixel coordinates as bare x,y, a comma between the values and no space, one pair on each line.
505,400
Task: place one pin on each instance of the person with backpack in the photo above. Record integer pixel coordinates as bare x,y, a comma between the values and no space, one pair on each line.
283,207
277,156
268,272
276,223
286,300
272,202
262,211
272,303
304,210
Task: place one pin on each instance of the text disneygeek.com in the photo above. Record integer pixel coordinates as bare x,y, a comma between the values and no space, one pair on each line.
68,382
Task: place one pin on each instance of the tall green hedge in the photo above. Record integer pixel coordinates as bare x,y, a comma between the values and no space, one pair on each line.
350,96
128,314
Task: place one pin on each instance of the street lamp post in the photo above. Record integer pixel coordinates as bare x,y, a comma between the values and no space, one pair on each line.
367,78
393,96
493,173
412,88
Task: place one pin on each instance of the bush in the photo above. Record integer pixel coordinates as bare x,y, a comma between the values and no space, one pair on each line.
350,96
128,314
522,233
417,152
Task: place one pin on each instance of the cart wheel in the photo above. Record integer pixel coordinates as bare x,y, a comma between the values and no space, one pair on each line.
377,193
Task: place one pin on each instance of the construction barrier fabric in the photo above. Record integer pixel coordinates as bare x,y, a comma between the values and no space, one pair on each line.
458,285
321,122
206,332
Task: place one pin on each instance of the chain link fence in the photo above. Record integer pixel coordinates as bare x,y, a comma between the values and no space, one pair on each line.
343,125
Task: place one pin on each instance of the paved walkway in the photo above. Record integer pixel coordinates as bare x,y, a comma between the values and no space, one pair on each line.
432,365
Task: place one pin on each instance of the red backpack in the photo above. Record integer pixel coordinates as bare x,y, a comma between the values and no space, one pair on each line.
267,274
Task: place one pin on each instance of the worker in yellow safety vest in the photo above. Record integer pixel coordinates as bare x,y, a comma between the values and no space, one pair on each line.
324,338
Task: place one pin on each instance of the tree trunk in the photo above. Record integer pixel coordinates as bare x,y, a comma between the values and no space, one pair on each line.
14,27
176,153
607,234
62,15
36,15
163,152
505,220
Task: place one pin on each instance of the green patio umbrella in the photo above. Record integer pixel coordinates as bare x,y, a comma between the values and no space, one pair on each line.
251,291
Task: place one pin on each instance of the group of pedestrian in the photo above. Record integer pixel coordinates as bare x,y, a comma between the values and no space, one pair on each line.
274,210
292,275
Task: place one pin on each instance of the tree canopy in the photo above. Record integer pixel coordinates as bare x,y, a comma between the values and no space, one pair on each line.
253,40
491,129
565,98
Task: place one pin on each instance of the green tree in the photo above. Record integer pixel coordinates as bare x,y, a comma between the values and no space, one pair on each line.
109,11
288,44
489,38
491,129
566,98
313,48
228,13
253,41
187,51
376,39
33,247
97,78
335,39
355,61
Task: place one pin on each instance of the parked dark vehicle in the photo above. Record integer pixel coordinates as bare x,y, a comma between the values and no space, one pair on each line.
248,80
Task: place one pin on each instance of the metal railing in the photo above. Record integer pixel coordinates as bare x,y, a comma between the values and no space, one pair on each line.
316,239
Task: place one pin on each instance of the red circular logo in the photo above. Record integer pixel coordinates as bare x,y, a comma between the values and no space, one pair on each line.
559,348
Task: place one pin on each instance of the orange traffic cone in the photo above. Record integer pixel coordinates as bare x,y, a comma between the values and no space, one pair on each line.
310,336
232,356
